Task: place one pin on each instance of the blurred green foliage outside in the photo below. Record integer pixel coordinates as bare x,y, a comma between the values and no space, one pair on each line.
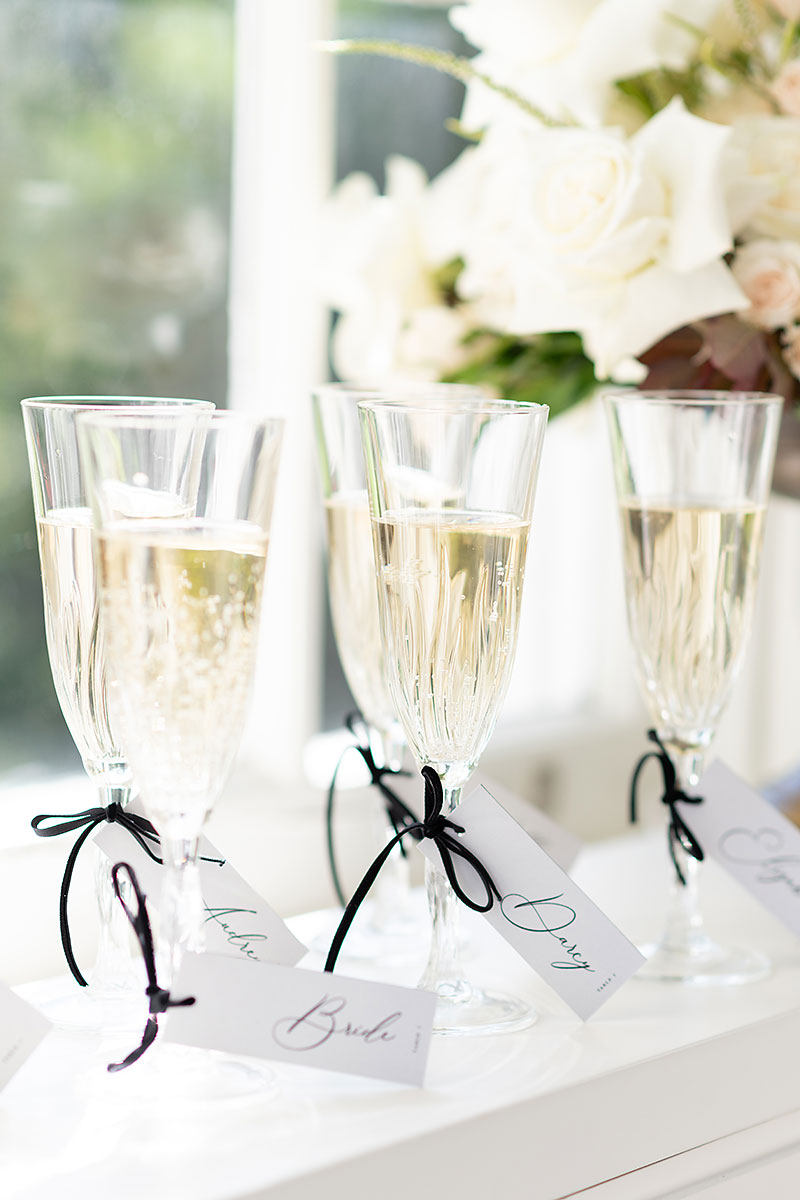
115,140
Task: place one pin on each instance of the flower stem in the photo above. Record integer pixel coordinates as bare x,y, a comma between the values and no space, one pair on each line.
440,60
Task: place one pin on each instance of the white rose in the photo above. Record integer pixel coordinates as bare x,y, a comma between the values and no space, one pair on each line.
620,239
786,88
378,259
565,55
372,245
768,273
764,193
383,344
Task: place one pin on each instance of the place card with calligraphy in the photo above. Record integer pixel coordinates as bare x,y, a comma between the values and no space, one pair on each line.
562,846
751,840
541,912
237,920
291,1015
22,1028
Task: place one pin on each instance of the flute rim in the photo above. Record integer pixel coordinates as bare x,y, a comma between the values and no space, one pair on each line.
692,397
101,404
475,407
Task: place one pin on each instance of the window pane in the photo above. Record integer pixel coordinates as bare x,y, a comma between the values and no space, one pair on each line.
116,146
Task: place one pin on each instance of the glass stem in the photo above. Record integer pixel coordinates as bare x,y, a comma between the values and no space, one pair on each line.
180,907
444,973
392,891
685,930
114,968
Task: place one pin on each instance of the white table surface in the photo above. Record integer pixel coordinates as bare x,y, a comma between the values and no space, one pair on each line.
664,1091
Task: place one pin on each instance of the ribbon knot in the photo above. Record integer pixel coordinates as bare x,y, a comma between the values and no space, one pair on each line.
440,829
159,999
88,820
679,833
398,813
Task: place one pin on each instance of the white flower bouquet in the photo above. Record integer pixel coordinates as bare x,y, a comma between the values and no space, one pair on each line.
627,207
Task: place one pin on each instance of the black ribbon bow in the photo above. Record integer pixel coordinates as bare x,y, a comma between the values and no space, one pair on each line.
142,830
679,832
88,820
399,814
159,999
440,830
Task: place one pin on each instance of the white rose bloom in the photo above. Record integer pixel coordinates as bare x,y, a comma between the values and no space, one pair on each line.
768,273
564,55
378,259
764,166
619,239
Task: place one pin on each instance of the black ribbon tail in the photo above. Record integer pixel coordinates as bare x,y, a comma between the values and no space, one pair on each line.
63,903
337,883
148,1037
398,813
357,899
159,998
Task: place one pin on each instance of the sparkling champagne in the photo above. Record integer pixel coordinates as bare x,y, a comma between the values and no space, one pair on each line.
450,604
182,602
353,589
690,575
75,642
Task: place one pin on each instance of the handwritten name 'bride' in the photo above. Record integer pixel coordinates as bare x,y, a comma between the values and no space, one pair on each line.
323,1021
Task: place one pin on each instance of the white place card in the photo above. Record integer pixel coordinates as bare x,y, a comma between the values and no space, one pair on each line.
754,842
22,1027
237,920
546,917
308,1017
562,846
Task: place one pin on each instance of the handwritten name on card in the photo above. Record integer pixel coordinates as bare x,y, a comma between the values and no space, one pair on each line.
548,920
751,840
22,1028
296,1016
237,920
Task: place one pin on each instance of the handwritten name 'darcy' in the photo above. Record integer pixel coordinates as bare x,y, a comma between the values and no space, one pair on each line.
323,1021
549,916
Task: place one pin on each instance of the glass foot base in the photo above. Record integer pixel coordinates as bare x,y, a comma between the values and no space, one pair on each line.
706,965
462,1009
374,938
84,1010
169,1074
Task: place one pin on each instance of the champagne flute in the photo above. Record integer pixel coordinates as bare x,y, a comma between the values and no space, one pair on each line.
451,489
181,601
76,644
693,473
354,600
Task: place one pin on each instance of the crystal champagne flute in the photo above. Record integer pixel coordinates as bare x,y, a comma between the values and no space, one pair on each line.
354,598
76,643
451,489
693,473
181,600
